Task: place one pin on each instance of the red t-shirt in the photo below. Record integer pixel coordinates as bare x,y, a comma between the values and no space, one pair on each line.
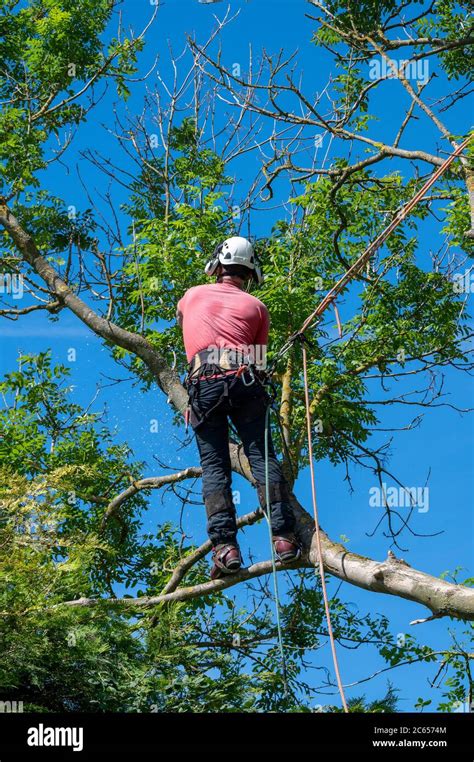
222,315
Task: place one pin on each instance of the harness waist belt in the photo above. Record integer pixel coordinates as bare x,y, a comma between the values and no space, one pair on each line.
227,359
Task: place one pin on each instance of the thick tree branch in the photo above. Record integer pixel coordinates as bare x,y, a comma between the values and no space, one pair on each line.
167,379
392,577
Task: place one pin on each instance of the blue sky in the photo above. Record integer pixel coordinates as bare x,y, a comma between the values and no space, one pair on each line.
441,446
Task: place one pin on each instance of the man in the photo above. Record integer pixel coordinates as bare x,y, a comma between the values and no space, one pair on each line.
225,332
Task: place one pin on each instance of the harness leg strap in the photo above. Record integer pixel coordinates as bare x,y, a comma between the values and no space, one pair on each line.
198,417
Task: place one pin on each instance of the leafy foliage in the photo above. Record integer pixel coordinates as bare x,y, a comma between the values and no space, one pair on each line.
51,50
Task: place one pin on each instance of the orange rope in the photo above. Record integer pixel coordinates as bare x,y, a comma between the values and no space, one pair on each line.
359,263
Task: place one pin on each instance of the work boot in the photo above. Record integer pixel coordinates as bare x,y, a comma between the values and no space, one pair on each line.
287,548
227,560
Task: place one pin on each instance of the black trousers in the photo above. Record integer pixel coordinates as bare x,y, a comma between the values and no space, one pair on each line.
246,407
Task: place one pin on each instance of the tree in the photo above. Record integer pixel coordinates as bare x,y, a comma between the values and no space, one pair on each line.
402,320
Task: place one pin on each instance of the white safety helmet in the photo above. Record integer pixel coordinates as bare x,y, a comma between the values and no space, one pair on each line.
235,251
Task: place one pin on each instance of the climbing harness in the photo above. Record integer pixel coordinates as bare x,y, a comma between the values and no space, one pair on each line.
228,365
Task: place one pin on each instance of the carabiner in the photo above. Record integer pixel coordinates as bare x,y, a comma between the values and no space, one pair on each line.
251,374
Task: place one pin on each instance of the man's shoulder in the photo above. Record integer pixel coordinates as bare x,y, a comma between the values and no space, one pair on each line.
196,290
252,300
208,289
257,302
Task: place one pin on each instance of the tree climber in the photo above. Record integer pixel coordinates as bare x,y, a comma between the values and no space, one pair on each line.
225,332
